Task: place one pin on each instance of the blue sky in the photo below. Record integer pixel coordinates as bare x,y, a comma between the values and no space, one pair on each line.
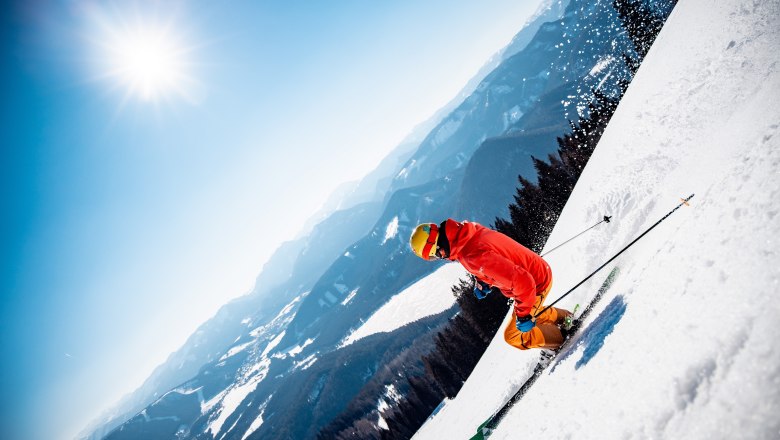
129,218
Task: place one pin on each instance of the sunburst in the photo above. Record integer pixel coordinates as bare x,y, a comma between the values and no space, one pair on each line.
151,63
143,55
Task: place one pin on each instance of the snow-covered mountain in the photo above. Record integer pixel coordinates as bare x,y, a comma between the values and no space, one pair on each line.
521,107
369,192
684,344
374,186
289,273
275,363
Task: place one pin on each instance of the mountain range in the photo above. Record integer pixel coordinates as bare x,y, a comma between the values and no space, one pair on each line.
272,364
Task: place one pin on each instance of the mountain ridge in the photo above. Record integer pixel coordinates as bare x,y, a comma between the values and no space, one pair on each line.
377,264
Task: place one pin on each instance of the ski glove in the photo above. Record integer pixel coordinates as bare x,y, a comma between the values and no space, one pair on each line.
525,323
481,289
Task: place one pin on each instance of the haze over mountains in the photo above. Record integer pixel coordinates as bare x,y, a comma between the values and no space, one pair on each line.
273,364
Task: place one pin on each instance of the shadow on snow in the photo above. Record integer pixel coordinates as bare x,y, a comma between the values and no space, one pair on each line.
592,339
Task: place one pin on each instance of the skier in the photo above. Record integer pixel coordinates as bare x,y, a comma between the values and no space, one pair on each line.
498,262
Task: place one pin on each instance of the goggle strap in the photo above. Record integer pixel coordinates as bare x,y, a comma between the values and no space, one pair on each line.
432,237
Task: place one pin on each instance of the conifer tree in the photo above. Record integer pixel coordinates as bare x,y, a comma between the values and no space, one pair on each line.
537,206
642,22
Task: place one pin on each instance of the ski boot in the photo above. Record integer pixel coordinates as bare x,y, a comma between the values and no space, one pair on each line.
566,323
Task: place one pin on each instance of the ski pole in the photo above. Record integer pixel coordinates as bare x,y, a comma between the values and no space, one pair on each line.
605,220
684,202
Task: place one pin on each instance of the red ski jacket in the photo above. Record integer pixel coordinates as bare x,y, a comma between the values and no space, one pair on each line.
499,261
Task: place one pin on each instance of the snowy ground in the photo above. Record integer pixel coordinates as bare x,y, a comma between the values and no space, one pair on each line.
429,296
685,344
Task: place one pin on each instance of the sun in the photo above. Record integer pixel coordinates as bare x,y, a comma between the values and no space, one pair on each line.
149,62
143,53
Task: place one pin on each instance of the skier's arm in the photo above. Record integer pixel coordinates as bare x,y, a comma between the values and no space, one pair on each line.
513,279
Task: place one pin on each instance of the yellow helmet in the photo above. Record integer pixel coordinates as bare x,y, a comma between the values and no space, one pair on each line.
423,240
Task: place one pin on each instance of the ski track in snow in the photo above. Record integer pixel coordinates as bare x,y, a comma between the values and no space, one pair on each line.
695,352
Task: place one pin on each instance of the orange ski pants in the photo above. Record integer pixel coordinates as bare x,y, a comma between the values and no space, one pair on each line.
535,337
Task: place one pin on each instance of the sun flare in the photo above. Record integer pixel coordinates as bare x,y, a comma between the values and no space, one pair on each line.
149,63
142,53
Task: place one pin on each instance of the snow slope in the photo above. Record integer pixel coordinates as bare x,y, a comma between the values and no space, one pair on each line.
685,343
429,296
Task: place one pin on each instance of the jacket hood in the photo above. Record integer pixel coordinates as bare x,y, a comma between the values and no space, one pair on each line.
458,234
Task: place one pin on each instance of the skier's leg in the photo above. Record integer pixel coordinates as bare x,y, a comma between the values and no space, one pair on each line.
543,335
518,339
553,338
550,315
553,315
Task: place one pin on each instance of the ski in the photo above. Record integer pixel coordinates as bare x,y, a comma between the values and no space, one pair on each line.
547,357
